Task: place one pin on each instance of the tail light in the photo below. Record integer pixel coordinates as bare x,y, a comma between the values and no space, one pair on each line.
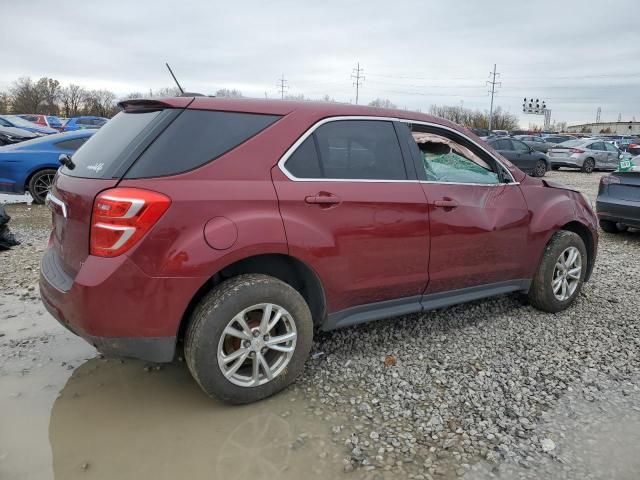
608,180
121,216
576,150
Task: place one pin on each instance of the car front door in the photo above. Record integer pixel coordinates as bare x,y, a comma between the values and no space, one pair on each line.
599,153
525,157
352,208
478,215
613,156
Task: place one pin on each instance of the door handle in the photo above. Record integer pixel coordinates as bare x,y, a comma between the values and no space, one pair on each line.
323,199
445,203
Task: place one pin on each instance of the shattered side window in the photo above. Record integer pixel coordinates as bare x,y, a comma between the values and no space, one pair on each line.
446,161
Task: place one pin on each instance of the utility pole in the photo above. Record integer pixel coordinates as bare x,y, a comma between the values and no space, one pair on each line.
493,84
359,78
282,86
598,113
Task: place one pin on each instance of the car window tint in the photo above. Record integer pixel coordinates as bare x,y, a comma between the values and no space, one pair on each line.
502,145
596,146
194,138
304,163
520,146
4,123
360,149
449,162
72,144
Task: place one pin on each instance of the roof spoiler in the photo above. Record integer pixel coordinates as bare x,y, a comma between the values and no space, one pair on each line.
146,104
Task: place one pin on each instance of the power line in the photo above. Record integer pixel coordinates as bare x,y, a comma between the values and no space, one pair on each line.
359,78
493,84
282,86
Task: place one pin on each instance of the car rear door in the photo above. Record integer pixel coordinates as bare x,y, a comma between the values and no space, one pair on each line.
478,215
354,210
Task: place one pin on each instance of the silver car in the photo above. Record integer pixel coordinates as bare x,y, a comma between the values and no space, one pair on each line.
536,142
587,154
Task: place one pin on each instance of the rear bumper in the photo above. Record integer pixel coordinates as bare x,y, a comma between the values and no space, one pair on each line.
626,212
116,307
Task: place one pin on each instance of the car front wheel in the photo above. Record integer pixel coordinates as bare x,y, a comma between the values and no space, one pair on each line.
612,227
248,338
589,165
560,274
540,169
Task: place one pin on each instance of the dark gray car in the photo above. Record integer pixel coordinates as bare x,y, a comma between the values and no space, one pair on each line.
522,155
9,135
536,142
618,202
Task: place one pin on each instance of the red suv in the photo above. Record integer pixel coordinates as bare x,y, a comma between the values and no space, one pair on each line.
240,225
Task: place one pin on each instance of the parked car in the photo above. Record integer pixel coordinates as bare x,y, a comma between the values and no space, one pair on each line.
483,133
50,121
536,142
240,225
630,145
555,138
500,133
31,165
586,154
522,155
18,122
9,135
618,202
79,123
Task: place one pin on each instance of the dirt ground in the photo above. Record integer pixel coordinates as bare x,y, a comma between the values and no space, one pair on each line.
66,412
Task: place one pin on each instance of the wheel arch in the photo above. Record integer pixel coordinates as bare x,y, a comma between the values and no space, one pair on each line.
286,268
587,237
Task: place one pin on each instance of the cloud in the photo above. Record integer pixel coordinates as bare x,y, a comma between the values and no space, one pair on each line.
415,53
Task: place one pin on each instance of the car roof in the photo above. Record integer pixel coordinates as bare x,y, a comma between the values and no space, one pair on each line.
285,107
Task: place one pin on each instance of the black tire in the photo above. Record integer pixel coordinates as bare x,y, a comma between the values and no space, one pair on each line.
555,167
40,184
541,293
540,169
589,165
211,317
612,227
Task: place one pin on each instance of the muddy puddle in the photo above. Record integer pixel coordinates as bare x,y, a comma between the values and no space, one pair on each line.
67,413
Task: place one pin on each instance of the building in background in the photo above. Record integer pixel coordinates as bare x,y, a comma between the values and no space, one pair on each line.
616,128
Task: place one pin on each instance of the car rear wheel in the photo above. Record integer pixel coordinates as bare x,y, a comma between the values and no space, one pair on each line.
588,165
612,227
248,338
540,169
560,274
40,184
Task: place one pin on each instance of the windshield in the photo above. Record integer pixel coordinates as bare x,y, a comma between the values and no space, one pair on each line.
54,121
20,122
571,143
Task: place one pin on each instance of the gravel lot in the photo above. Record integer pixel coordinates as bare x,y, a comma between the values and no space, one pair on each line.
491,389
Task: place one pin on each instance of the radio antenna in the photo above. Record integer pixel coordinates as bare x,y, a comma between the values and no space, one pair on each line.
175,79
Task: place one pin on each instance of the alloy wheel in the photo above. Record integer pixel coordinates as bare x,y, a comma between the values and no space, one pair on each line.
257,345
42,185
567,273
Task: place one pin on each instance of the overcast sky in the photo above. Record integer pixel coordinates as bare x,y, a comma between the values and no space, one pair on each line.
576,55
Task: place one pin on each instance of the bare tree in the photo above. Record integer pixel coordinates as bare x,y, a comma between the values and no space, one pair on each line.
100,103
229,93
5,102
475,118
26,97
327,98
72,98
166,92
383,103
50,91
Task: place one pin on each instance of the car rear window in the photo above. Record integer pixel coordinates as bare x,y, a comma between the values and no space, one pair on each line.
194,138
99,157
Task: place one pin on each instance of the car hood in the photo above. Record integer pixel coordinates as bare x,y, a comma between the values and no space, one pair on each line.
18,132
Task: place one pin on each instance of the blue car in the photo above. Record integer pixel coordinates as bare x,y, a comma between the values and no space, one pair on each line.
17,122
80,123
32,165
